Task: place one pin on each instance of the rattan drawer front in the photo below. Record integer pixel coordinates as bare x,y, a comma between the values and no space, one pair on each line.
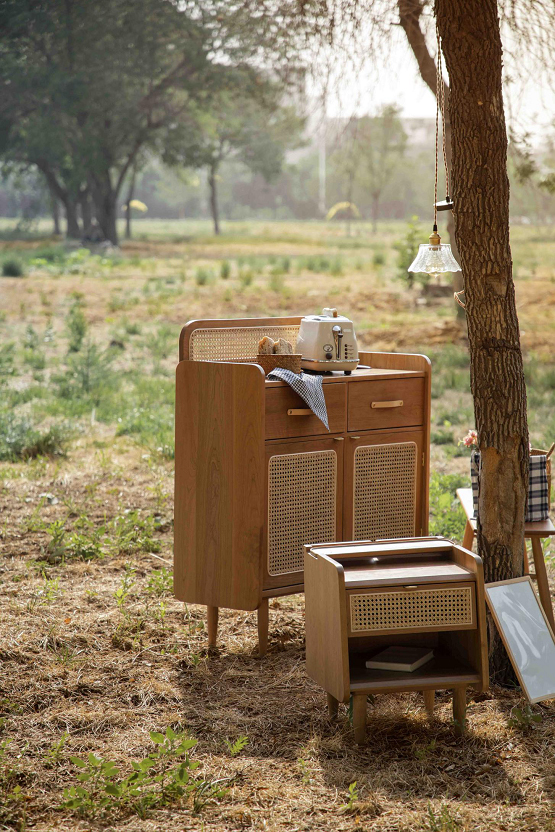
386,403
302,504
281,424
419,609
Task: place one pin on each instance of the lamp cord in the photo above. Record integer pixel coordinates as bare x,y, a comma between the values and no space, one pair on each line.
440,107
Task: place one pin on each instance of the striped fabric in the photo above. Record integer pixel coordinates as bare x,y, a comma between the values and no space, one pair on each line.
537,507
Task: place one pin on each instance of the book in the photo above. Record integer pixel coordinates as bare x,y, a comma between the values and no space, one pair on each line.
400,658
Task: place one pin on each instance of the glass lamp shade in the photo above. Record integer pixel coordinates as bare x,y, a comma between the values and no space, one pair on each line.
434,259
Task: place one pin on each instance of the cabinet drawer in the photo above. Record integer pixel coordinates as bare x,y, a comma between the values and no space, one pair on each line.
394,403
280,424
421,608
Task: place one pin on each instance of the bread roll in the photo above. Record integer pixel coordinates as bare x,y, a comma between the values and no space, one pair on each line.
266,346
283,347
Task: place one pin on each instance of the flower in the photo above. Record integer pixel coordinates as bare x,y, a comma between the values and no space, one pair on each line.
470,439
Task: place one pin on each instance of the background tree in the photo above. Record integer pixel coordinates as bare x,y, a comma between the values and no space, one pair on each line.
381,143
84,87
472,46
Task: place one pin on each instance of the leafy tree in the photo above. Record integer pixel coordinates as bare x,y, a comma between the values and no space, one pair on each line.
86,87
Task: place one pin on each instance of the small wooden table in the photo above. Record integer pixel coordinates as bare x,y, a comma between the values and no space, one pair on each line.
362,597
532,531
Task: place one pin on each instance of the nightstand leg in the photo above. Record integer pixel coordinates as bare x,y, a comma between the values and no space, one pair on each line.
263,627
212,625
459,710
359,717
429,701
333,706
468,537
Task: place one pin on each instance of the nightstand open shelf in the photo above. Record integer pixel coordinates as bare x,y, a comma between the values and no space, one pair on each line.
363,597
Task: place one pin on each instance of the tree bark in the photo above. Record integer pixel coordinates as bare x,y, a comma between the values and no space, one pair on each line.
130,194
473,53
86,211
73,230
212,172
410,12
55,209
105,199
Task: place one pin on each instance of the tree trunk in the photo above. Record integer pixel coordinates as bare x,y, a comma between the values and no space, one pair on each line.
212,172
73,230
375,213
86,212
55,208
105,200
130,194
473,54
410,12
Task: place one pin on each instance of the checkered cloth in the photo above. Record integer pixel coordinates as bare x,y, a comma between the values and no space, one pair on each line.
537,507
308,387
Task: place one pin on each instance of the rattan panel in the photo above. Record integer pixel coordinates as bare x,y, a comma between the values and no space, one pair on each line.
444,607
235,343
301,506
384,491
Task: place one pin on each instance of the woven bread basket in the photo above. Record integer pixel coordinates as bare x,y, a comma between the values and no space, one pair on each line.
287,362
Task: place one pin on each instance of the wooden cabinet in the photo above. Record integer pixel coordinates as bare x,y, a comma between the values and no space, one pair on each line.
362,598
258,476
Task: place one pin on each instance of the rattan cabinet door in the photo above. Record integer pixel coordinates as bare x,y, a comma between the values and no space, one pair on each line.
383,485
304,492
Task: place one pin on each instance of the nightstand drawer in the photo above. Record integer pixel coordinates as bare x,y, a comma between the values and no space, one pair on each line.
406,609
394,403
288,416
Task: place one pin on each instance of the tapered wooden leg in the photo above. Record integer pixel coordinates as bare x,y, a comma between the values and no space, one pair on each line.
541,577
429,701
468,537
263,621
359,717
212,625
459,710
333,706
526,567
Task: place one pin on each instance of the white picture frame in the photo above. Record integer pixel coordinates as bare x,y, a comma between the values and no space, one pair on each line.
526,634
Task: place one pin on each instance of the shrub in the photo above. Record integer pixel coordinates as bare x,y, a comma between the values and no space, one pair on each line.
379,259
225,270
76,326
20,439
12,268
202,277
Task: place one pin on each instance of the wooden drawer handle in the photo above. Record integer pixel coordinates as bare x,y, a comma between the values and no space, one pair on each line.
299,411
411,586
397,403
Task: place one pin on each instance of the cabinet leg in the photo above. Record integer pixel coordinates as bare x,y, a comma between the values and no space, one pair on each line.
359,717
459,710
263,620
212,625
429,700
541,577
468,537
333,706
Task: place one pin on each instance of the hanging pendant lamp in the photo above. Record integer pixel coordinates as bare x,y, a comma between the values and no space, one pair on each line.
435,258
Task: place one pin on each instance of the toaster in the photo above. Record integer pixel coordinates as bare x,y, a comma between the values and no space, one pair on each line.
327,342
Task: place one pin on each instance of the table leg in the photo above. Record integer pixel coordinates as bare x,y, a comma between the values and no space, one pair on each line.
541,577
333,706
429,701
263,623
359,717
459,710
212,625
526,566
468,537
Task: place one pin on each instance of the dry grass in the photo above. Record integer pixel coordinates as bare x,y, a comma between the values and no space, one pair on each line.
71,661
